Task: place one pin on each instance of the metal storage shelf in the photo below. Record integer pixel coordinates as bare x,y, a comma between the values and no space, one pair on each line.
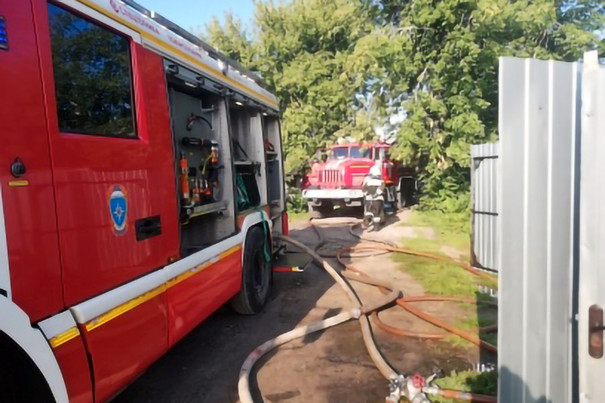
207,208
246,163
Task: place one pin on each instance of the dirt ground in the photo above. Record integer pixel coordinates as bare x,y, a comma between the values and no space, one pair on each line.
332,366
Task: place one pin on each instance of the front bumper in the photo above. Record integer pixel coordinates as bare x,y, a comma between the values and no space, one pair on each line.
333,194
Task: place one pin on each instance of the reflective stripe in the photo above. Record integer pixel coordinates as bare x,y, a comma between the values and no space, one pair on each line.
64,337
133,303
182,277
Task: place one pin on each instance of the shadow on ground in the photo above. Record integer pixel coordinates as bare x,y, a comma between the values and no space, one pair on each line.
204,366
324,367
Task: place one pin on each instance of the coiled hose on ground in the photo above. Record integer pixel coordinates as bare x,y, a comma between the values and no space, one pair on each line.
399,384
405,302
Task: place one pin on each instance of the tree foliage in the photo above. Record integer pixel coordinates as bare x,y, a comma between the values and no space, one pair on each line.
342,67
300,48
449,73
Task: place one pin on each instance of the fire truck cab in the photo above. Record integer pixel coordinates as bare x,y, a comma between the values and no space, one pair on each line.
141,180
337,176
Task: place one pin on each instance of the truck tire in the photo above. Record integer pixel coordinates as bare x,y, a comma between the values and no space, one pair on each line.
8,385
401,202
256,275
322,211
20,379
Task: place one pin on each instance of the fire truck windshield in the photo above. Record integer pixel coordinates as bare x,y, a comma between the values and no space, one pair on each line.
339,153
360,152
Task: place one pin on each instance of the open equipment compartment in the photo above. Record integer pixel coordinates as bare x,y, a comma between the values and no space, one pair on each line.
274,161
203,165
249,156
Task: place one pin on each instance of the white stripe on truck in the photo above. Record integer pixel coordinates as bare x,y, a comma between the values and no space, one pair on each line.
5,280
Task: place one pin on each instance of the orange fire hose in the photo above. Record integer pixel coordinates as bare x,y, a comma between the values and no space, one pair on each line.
405,303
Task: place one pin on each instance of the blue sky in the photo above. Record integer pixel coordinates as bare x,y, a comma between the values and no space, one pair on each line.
194,14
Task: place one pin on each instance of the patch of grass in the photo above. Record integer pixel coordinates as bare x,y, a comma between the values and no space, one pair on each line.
443,278
491,338
298,216
451,229
437,278
485,383
475,322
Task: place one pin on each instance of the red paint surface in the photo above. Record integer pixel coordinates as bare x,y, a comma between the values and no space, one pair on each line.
194,299
73,362
285,223
348,173
29,212
125,346
61,242
94,259
86,167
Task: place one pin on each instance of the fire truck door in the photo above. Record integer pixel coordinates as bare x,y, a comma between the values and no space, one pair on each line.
26,194
114,186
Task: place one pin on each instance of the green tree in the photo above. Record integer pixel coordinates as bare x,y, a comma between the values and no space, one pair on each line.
343,67
439,60
300,49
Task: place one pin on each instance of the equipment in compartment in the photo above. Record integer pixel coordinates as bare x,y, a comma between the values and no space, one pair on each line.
199,165
199,178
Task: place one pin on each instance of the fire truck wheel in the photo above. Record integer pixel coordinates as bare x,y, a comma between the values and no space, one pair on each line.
256,275
321,211
20,379
401,202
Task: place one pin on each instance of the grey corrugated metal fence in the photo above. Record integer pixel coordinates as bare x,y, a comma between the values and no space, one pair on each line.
484,191
538,125
591,244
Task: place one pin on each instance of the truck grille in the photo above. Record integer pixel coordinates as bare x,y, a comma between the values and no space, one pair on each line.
332,177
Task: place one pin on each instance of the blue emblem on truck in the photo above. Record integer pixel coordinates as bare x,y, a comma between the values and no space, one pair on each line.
118,209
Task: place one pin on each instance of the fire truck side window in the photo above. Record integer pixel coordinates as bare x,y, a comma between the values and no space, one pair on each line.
92,76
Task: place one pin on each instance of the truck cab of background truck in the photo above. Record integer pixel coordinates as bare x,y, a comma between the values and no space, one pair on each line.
338,180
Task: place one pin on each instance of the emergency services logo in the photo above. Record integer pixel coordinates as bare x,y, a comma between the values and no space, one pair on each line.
118,208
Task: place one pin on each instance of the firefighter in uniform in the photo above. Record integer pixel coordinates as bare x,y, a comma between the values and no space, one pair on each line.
373,188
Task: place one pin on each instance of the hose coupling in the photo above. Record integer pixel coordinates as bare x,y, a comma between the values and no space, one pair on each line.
414,386
396,389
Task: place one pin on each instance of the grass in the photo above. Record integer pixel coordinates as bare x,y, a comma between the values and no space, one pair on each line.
440,278
447,279
485,383
298,216
451,229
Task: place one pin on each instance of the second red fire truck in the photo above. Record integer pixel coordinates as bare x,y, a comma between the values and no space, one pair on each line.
336,178
141,182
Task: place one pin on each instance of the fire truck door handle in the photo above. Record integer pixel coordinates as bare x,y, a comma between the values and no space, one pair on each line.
148,227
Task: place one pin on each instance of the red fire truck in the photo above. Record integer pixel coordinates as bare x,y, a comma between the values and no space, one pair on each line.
338,179
141,182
